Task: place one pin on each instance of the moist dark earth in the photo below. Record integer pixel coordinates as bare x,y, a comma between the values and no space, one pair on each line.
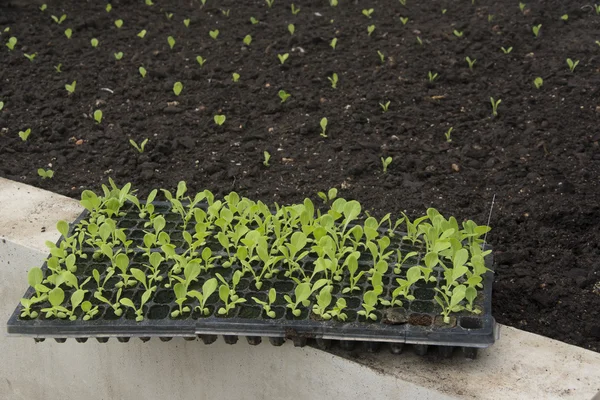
540,157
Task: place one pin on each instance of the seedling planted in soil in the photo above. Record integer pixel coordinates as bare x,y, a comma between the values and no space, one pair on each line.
386,163
98,116
538,82
219,119
323,125
24,134
71,88
495,104
572,64
267,157
283,95
177,88
12,42
334,80
45,173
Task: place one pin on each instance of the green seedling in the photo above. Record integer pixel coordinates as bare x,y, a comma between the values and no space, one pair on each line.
419,41
370,29
94,42
471,62
98,116
119,23
444,11
283,57
108,7
200,60
208,288
266,305
149,2
333,3
1,105
386,163
247,40
295,10
214,34
169,15
367,13
235,77
140,148
71,88
522,6
139,312
381,56
506,50
323,301
597,8
448,134
186,22
30,57
495,104
142,33
490,18
323,125
370,299
536,30
291,29
403,2
68,33
43,7
270,3
253,21
385,106
538,82
432,76
572,64
118,55
142,71
267,157
302,294
351,264
177,88
333,43
12,42
59,20
329,196
413,275
57,68
171,41
334,80
225,12
229,301
56,297
219,119
25,134
45,173
565,17
451,303
404,20
458,34
597,42
283,95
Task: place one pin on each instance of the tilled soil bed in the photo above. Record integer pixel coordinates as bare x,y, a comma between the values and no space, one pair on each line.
540,156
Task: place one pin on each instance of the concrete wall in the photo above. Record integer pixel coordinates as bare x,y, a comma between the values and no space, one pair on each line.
520,366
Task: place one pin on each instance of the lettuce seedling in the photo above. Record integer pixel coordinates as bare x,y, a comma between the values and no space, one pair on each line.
572,64
506,50
12,42
333,3
266,305
448,134
214,34
58,67
119,23
171,41
432,76
458,34
369,302
219,119
1,105
90,310
334,80
283,57
142,71
302,293
351,263
253,21
141,146
522,6
283,95
404,20
149,2
323,301
228,301
403,2
367,13
295,10
495,104
235,77
471,62
564,17
536,30
381,56
177,88
208,288
43,7
138,311
333,43
385,106
291,29
413,275
451,303
247,40
186,22
56,296
26,311
200,60
48,173
388,160
419,41
270,3
30,57
68,33
323,125
329,196
24,135
538,82
142,33
98,116
267,157
370,29
225,12
59,20
94,42
108,7
412,233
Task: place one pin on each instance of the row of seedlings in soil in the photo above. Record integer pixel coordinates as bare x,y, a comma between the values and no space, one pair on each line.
185,242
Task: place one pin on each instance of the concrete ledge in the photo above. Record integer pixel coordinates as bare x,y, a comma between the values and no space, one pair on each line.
519,366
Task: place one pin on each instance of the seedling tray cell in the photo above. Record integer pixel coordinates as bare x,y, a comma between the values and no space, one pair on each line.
417,322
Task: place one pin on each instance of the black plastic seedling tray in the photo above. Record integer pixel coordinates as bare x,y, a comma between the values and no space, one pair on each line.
418,322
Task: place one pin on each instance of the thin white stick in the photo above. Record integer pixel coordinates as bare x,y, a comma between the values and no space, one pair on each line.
489,219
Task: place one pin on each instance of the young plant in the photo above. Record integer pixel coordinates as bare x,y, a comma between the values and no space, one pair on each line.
268,304
138,311
142,33
506,50
214,34
59,20
269,3
283,58
404,20
385,106
43,7
522,7
565,17
495,104
142,71
333,43
354,276
323,301
171,41
381,56
118,55
370,29
247,40
536,30
367,13
57,68
24,134
108,7
45,173
94,42
12,42
291,29
538,82
1,105
370,299
386,163
458,34
177,88
432,76
56,297
98,116
229,301
200,60
451,303
572,64
283,95
471,62
329,196
253,21
186,22
119,23
219,119
323,125
267,157
334,80
208,288
413,275
140,148
68,33
448,134
235,77
302,293
30,57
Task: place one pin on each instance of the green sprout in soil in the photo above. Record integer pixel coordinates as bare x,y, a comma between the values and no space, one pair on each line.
24,134
538,82
448,134
404,20
333,3
329,196
45,173
247,40
495,104
30,57
267,157
140,148
295,10
219,119
385,106
432,76
57,68
225,12
12,42
1,105
381,56
403,2
235,77
367,13
291,29
370,300
458,34
490,18
171,41
370,29
149,2
386,163
119,23
323,125
536,30
269,3
522,7
108,7
186,22
94,42
253,21
283,95
43,7
118,55
471,62
419,41
142,71
71,87
142,33
506,50
68,33
59,20
333,43
565,17
200,60
283,57
271,298
444,11
177,88
98,116
572,64
214,34
334,80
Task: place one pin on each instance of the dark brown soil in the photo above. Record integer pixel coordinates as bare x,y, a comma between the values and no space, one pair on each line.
540,156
